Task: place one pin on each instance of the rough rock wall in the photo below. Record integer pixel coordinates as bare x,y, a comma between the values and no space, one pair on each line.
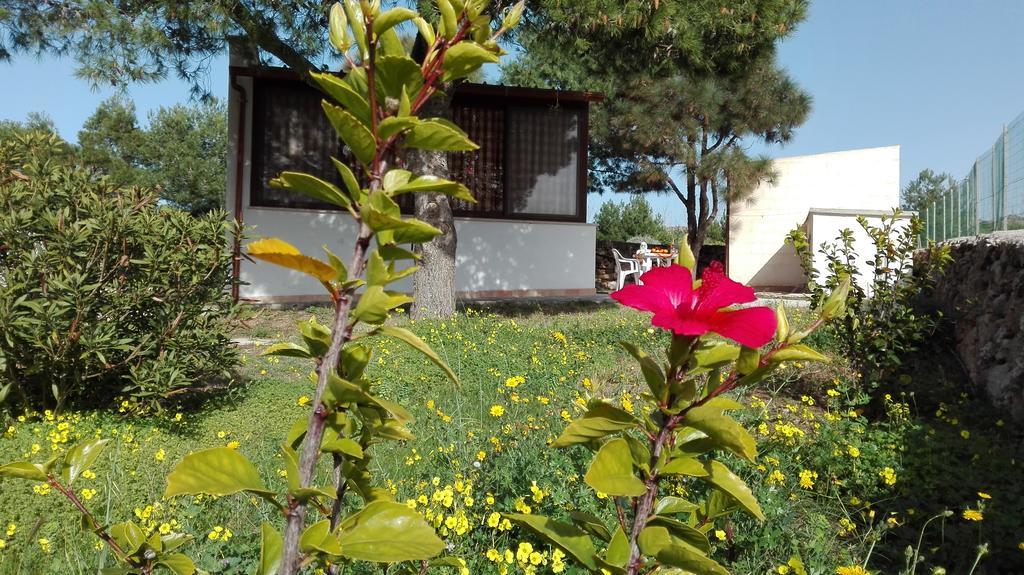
983,292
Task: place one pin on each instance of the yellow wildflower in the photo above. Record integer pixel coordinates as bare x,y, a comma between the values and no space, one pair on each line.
972,515
497,410
852,570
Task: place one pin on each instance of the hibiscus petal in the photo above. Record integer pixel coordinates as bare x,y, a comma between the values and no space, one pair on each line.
639,297
752,326
717,291
674,281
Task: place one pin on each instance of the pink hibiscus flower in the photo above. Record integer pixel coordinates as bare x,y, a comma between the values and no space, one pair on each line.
668,293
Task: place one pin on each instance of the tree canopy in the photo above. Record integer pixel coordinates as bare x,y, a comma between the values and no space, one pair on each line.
688,86
625,221
927,187
182,153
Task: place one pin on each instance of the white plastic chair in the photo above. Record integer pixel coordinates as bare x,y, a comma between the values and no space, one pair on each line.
625,267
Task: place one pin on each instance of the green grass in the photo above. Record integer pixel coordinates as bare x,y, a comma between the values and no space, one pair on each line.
483,464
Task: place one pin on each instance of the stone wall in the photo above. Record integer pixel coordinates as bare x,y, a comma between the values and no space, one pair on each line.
605,262
983,293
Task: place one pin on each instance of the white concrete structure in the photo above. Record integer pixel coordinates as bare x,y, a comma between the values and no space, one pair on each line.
495,257
825,193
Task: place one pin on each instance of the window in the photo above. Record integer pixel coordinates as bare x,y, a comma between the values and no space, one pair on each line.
291,133
531,163
542,161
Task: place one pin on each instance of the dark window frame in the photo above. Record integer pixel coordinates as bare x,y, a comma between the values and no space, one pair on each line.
480,95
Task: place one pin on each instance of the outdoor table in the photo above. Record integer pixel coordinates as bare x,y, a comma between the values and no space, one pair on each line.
649,260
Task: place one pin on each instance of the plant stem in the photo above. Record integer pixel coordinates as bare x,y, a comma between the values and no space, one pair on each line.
311,444
646,503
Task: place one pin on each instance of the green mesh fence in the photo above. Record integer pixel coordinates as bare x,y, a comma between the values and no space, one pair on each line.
990,198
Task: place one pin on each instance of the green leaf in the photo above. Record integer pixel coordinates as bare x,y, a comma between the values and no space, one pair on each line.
390,18
270,551
782,323
295,489
413,341
177,563
568,538
685,256
395,178
591,524
425,30
798,352
347,392
316,336
218,471
397,73
449,19
358,25
347,177
172,541
652,372
354,133
354,358
684,466
344,446
748,360
374,304
723,430
835,305
683,532
717,355
618,549
394,253
678,554
439,134
318,538
464,58
436,185
612,471
129,536
81,457
287,349
388,532
394,124
311,186
670,505
338,29
721,477
404,231
601,419
24,470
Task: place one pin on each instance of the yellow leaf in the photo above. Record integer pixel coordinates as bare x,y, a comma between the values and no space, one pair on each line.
282,253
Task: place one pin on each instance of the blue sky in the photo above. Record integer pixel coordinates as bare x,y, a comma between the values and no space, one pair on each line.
937,77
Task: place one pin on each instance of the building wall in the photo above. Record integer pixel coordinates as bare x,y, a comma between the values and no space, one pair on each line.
858,180
495,258
826,226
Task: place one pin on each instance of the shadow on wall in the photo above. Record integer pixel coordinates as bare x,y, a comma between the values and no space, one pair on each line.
306,231
507,256
782,272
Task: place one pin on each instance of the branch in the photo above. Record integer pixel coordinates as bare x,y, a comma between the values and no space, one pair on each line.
263,35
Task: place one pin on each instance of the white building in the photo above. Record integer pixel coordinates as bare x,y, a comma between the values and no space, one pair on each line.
823,194
527,235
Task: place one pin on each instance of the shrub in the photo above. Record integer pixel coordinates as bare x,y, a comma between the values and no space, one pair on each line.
104,294
884,321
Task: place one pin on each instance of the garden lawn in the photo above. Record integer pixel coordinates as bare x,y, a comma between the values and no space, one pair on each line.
830,481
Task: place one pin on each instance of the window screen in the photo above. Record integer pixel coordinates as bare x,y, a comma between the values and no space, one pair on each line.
542,160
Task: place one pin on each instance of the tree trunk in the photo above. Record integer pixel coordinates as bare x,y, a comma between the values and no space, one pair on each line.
434,283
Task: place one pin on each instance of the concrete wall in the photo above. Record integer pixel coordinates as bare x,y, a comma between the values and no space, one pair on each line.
983,293
496,258
863,180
